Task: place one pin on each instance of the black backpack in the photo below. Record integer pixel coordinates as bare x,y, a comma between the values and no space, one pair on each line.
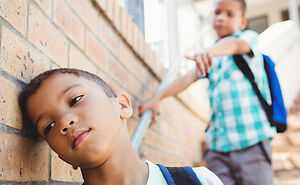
179,175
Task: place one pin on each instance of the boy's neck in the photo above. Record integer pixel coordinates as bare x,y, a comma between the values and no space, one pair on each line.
123,167
221,37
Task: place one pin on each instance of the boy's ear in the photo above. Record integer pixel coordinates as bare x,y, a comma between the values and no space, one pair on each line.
126,108
244,23
74,167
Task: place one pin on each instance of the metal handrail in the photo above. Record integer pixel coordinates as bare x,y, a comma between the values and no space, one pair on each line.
145,119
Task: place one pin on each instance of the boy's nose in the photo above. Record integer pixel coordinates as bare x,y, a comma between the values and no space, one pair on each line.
67,122
221,16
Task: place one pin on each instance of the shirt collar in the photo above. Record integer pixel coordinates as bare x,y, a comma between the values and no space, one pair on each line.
155,176
237,33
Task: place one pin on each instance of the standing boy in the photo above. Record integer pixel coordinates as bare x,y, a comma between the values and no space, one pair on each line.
239,134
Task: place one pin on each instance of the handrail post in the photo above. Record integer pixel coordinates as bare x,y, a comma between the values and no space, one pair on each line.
145,120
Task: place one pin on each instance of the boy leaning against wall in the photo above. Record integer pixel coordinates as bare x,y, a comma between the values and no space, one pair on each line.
84,122
239,133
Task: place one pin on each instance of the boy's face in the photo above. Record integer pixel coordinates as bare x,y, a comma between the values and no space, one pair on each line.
77,119
228,17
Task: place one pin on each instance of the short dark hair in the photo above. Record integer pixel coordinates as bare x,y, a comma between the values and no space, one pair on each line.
36,83
243,6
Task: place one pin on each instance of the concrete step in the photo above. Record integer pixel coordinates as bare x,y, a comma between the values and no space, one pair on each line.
288,182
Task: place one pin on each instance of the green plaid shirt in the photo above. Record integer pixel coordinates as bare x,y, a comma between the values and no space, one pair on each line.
237,117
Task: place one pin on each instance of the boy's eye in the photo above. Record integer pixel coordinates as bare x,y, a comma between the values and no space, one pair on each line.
75,100
48,128
229,14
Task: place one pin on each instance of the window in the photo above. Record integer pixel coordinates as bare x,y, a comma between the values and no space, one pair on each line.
285,15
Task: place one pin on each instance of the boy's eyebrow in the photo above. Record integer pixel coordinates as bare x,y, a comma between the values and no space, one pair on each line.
67,89
38,120
61,94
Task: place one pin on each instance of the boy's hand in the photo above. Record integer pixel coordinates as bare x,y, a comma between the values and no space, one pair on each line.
152,104
203,62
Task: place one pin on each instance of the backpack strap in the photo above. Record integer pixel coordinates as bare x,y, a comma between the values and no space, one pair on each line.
244,67
179,175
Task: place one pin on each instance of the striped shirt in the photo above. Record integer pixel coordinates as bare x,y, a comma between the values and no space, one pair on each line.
237,117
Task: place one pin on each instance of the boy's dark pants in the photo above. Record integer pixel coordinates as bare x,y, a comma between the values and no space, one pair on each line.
249,166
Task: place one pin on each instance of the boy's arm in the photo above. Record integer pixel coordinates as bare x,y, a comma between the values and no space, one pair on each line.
225,46
172,89
230,46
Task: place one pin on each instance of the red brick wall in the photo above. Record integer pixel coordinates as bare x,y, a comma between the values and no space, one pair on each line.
94,35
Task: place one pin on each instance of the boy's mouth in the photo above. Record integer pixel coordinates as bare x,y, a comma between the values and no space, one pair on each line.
219,27
79,136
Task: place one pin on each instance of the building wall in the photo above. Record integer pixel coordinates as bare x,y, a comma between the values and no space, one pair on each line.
286,150
97,36
272,9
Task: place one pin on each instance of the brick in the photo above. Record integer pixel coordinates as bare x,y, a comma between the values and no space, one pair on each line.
129,35
169,146
166,159
293,123
124,24
152,60
160,70
109,36
148,52
96,52
152,84
134,86
135,38
15,12
10,113
146,95
294,138
45,5
173,132
117,16
280,143
110,9
23,159
127,57
19,59
79,61
295,158
154,63
101,3
281,162
195,104
44,36
133,64
68,22
117,71
61,171
87,13
142,43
